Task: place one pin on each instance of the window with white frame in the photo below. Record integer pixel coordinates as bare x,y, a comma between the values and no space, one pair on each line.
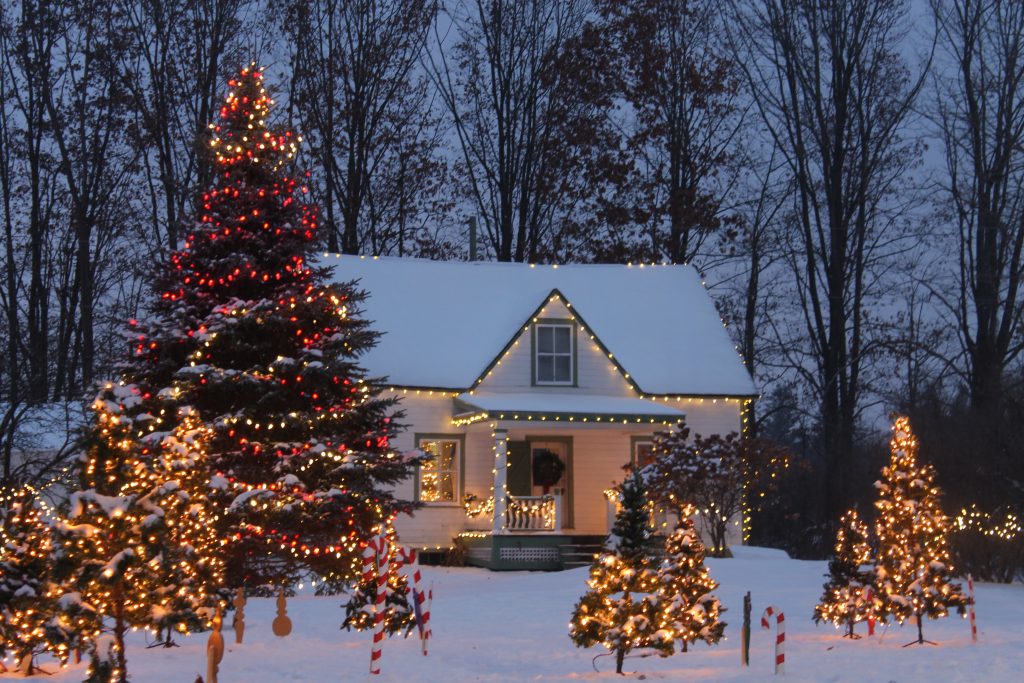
643,452
439,473
553,353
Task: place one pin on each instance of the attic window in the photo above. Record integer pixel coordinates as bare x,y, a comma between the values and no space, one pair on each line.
553,348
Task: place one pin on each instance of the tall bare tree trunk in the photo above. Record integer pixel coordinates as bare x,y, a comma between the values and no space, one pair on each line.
835,95
980,114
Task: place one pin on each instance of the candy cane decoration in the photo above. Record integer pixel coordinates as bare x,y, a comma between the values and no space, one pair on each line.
780,636
407,556
377,551
376,565
870,597
970,607
430,603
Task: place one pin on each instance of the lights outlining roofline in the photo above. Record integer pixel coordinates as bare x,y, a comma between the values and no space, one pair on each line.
553,296
466,419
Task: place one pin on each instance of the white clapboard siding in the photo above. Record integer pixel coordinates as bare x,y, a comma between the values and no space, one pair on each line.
595,373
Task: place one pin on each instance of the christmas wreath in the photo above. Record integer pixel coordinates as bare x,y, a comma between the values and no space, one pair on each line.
547,468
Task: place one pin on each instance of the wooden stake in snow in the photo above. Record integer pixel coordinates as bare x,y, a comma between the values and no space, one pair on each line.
780,635
745,633
870,597
238,623
214,649
970,608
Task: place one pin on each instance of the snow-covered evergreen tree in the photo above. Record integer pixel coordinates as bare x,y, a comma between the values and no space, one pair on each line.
248,339
399,617
35,615
109,548
620,609
688,611
913,572
139,544
844,601
190,565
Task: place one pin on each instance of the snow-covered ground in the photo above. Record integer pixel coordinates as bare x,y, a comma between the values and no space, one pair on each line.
493,627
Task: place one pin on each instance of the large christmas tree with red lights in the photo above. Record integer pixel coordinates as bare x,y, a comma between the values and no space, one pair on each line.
264,353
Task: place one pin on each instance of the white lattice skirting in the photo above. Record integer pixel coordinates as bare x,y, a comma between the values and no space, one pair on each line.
529,554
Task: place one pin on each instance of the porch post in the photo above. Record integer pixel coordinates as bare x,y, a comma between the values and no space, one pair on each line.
500,478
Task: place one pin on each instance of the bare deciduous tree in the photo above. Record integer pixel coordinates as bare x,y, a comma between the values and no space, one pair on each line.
835,95
174,55
981,119
518,113
674,69
365,107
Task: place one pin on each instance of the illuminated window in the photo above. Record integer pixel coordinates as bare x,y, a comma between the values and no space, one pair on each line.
439,475
642,452
553,353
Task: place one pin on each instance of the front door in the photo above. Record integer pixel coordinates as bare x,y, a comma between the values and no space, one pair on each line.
561,447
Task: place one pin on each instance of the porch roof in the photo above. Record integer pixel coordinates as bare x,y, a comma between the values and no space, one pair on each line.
547,406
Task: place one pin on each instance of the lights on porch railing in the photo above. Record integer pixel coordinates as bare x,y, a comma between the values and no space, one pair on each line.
473,534
475,507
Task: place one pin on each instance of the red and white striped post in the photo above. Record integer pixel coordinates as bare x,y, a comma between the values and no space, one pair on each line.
780,635
870,597
430,604
970,608
379,548
408,558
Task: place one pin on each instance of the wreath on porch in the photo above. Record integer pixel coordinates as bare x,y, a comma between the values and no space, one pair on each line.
548,468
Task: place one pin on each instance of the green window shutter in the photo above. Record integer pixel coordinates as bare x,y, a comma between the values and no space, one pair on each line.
520,478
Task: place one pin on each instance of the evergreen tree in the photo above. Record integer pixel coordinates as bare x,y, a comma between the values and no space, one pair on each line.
620,611
913,573
399,616
688,610
139,545
248,340
190,568
35,615
845,599
110,545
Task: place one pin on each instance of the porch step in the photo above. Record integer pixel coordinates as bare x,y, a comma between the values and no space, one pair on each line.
580,551
581,554
573,556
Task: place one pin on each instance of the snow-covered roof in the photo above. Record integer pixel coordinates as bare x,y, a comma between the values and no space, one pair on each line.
444,322
511,405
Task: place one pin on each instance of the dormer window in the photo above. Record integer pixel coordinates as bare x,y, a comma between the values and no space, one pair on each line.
554,347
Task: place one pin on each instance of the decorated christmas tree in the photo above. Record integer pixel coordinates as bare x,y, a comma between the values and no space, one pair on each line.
913,573
110,546
189,567
687,609
620,609
35,615
249,340
399,615
139,545
844,601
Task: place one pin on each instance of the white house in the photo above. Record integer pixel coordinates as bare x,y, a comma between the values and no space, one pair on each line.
498,365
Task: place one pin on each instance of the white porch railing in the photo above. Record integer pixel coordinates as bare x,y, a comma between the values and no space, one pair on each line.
534,513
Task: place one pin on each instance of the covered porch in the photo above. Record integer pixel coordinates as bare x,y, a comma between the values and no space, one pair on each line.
535,515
